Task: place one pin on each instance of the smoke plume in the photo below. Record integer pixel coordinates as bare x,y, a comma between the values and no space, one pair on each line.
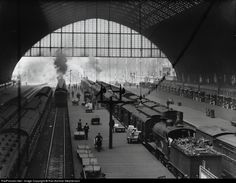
94,65
60,63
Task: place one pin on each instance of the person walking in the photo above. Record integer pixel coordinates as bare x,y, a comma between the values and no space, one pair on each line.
86,129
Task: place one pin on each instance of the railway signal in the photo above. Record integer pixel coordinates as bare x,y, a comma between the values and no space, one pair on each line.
111,104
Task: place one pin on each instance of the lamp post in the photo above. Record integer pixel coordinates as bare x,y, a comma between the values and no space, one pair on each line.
140,76
111,104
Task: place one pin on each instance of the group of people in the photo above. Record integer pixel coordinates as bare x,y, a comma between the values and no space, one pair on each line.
85,128
201,96
98,138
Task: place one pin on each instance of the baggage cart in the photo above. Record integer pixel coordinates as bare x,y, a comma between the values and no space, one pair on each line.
119,128
95,121
79,135
132,134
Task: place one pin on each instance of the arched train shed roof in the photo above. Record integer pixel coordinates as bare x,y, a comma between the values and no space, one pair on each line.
169,24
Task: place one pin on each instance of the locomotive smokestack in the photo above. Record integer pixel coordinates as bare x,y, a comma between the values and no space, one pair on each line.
60,63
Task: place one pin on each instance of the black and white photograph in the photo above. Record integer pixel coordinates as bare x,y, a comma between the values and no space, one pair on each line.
117,89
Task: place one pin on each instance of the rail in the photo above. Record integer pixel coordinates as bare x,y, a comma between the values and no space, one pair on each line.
50,147
64,147
56,161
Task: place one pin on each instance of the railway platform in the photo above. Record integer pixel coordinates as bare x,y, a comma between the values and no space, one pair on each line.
194,112
123,160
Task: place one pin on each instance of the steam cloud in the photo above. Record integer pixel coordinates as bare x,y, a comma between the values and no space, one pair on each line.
93,64
60,63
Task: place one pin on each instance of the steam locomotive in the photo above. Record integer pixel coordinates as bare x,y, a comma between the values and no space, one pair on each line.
61,93
166,134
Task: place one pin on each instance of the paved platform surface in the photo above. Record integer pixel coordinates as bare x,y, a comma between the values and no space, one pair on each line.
123,160
194,112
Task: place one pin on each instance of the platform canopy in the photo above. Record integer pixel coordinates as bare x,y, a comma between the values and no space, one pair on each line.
169,24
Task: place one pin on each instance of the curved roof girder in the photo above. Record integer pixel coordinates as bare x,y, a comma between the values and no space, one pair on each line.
207,53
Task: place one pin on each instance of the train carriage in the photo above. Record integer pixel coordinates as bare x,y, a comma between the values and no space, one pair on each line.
160,108
61,93
128,94
171,144
150,104
139,122
226,144
125,114
45,91
211,132
140,117
147,111
117,111
60,97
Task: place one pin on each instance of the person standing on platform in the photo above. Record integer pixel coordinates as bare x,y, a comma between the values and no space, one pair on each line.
86,129
78,95
79,127
112,124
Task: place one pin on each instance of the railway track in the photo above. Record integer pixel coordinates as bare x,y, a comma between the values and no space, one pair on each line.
59,163
11,108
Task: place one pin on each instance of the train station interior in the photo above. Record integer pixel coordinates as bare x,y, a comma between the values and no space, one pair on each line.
108,89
